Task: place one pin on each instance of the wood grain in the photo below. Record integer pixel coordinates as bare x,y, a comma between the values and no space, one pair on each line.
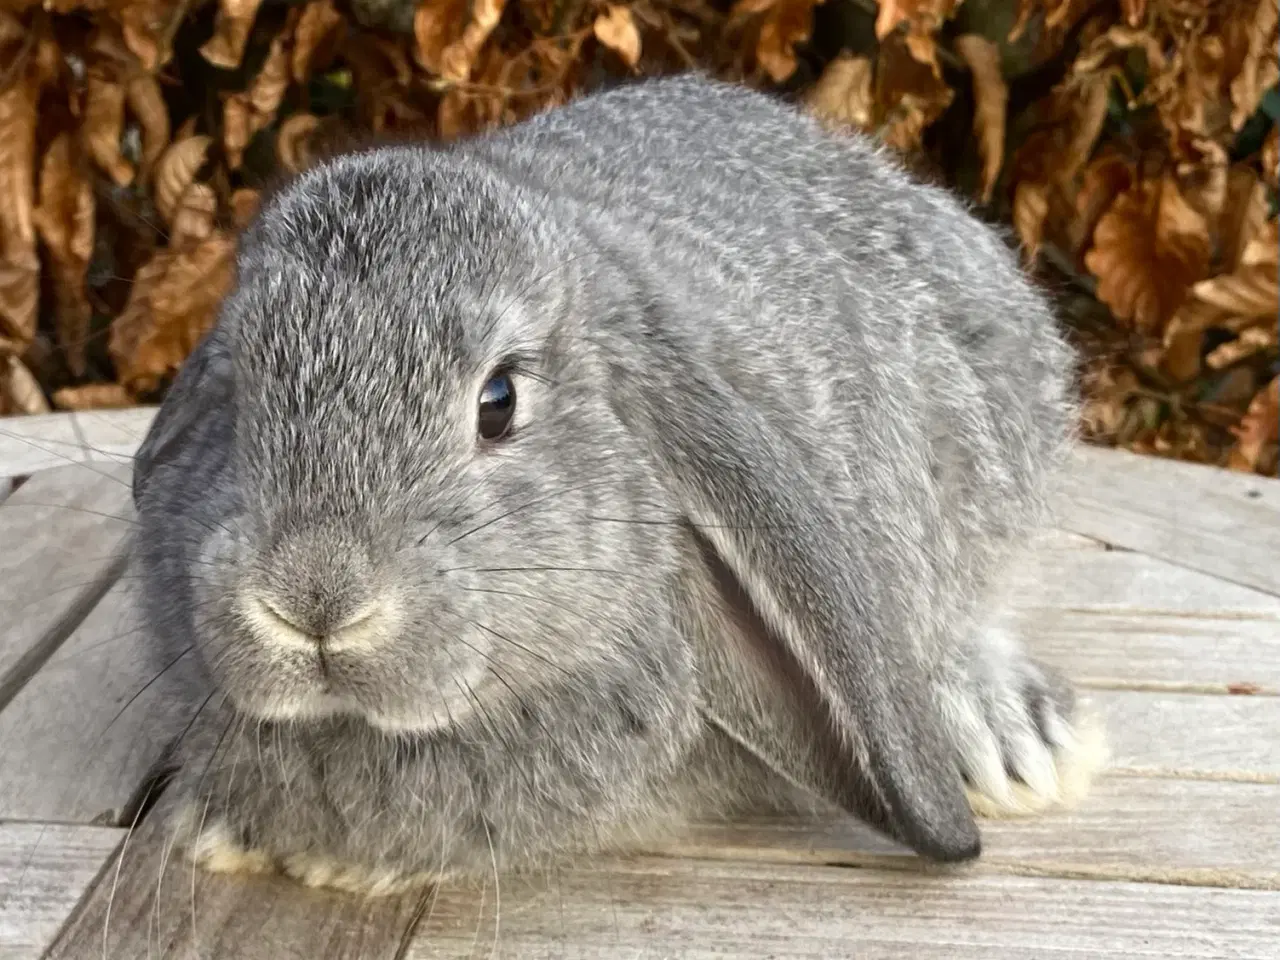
1127,618
1216,521
1201,734
64,535
87,764
159,908
44,871
657,906
1151,828
30,444
691,909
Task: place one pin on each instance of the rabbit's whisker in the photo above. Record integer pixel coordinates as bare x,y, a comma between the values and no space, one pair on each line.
530,503
519,646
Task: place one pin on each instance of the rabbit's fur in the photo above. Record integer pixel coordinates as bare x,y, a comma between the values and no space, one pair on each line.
782,415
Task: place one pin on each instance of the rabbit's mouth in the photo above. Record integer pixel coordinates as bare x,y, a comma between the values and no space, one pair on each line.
393,685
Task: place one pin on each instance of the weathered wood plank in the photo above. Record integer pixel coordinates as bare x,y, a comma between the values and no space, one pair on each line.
62,537
1115,615
44,871
1217,521
1200,734
1132,828
649,907
30,444
655,906
158,907
88,764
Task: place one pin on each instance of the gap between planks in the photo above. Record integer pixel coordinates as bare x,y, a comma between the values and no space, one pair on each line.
47,589
1243,689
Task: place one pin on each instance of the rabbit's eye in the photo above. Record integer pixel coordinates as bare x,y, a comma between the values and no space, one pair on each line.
497,406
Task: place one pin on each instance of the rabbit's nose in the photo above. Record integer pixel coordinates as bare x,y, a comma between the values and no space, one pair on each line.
315,627
317,588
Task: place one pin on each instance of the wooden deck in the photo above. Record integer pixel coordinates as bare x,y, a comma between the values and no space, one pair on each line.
1159,593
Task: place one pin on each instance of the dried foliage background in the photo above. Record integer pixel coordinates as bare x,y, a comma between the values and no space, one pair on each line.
1131,145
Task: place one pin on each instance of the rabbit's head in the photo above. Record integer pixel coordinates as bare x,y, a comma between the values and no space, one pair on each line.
425,500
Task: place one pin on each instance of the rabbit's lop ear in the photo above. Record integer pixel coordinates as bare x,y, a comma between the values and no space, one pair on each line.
810,683
201,386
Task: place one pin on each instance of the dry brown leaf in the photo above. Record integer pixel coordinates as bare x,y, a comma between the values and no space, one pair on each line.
13,33
1148,250
177,170
1243,217
1251,341
910,95
65,223
786,24
616,29
19,265
1052,157
1260,69
1246,295
193,219
1270,158
1261,250
1259,432
923,16
244,206
24,391
19,295
991,98
93,396
1030,210
1088,117
318,32
1205,179
1134,11
231,29
395,56
103,125
1107,410
1246,298
17,166
1106,177
1118,40
1183,340
436,25
749,8
244,114
842,96
148,27
173,303
147,105
292,141
458,57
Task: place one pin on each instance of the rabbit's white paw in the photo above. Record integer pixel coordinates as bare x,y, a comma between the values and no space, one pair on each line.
212,845
315,870
1025,744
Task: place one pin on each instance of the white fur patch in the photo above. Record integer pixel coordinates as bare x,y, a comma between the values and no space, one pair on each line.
1064,775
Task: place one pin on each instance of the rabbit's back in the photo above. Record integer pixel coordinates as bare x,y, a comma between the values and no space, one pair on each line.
872,316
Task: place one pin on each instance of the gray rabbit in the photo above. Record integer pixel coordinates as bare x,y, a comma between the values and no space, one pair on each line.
656,458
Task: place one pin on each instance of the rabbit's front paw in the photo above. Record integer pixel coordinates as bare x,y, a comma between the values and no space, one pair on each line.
1025,744
212,844
317,870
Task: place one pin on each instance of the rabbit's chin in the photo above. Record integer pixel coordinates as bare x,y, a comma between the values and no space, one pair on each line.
321,705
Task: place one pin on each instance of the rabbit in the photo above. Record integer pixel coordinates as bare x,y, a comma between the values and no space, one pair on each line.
659,457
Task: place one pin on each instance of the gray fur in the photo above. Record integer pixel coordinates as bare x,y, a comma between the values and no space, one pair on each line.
783,413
